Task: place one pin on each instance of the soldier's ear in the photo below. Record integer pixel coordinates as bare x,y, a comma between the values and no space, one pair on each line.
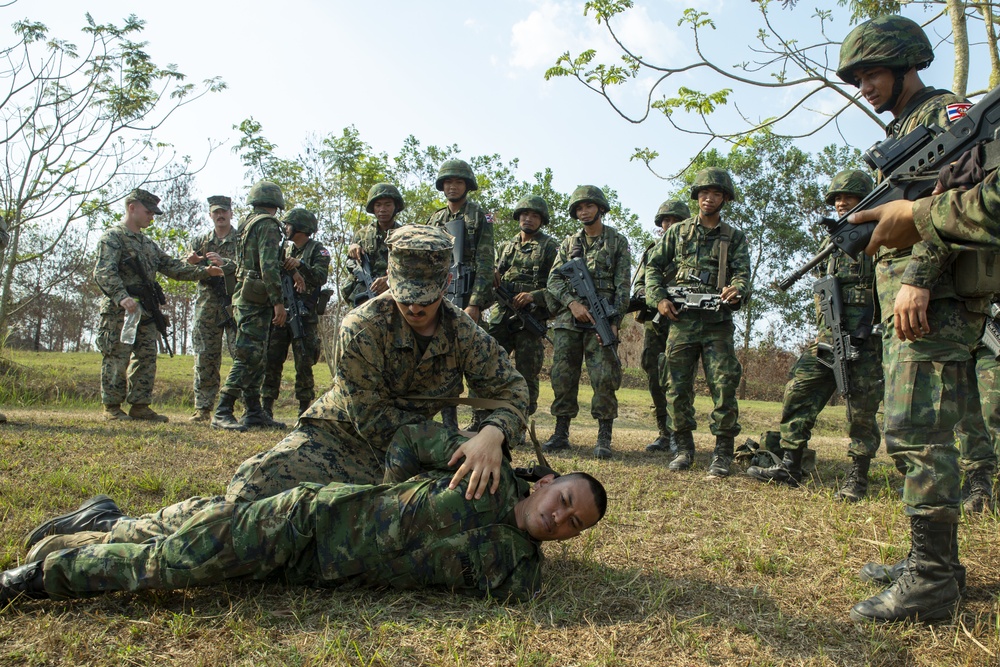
544,481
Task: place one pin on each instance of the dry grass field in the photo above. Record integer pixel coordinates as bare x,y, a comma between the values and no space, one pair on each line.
683,571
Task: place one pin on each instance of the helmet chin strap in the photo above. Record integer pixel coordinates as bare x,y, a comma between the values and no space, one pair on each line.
897,90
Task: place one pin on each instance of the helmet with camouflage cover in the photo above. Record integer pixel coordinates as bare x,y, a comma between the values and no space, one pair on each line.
531,203
456,169
890,41
301,220
384,191
585,194
713,177
674,207
266,193
849,182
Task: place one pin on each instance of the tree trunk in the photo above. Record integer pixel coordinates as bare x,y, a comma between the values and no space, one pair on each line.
960,34
986,9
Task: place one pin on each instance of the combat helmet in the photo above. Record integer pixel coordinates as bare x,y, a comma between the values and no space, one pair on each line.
591,194
456,169
889,41
266,193
713,177
531,203
383,191
674,207
301,220
849,182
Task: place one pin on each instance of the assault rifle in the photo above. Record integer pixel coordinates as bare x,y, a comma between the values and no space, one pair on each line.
685,298
505,295
151,296
296,311
362,270
218,285
575,270
991,336
462,275
910,166
841,350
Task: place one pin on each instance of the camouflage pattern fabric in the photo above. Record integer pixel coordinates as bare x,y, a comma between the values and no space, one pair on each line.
253,326
209,313
976,431
988,376
481,255
404,534
371,238
953,219
654,335
609,262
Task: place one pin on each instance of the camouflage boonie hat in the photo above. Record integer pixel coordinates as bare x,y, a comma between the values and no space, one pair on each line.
849,182
674,207
889,41
219,201
419,260
147,199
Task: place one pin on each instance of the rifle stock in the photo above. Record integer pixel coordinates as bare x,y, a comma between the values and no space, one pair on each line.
362,270
462,276
575,270
505,296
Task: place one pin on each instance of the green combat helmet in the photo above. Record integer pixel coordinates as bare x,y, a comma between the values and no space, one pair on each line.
301,220
531,203
674,207
266,193
890,41
849,182
456,169
383,191
713,177
588,193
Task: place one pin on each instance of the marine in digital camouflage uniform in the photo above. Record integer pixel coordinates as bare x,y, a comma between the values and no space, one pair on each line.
812,383
706,254
411,531
609,262
257,304
213,311
307,257
128,371
384,202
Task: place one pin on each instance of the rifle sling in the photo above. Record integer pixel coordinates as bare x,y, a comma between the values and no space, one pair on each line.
725,233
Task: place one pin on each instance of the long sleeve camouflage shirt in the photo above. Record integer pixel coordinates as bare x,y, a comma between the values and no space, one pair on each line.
226,248
524,267
371,238
480,254
609,262
314,268
956,220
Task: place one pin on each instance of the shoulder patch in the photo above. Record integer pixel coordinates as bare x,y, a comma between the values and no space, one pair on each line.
957,110
489,218
324,252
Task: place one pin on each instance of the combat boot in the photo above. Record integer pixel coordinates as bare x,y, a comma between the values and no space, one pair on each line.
886,574
926,590
267,405
99,513
665,440
685,451
202,415
142,412
25,580
856,485
54,543
980,497
788,472
722,458
113,412
223,417
304,404
478,417
256,417
559,439
603,448
449,417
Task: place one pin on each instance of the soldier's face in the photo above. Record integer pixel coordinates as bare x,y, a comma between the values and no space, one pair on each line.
221,217
422,318
587,212
557,509
142,216
875,84
710,200
384,209
454,189
844,202
530,221
666,222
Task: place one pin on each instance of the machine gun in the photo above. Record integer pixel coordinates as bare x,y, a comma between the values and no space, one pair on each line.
575,270
462,275
505,295
910,167
362,271
151,296
296,312
991,336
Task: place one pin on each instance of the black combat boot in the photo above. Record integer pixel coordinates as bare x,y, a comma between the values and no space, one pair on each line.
223,417
267,405
886,574
788,472
980,491
926,590
603,448
449,417
25,580
478,417
559,439
856,485
665,440
685,451
722,457
95,514
304,404
256,417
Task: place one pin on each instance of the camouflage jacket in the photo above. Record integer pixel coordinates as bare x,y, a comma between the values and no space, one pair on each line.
115,275
372,241
857,291
315,268
226,247
525,267
481,255
259,255
609,262
378,370
956,220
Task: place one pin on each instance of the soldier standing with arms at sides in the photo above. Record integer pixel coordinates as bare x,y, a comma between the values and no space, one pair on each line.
213,311
707,255
609,262
385,203
654,337
126,259
307,258
258,305
811,383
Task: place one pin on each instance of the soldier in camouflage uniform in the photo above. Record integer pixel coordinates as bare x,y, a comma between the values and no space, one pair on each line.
812,382
258,305
609,262
213,311
929,335
385,203
523,266
412,531
309,263
654,337
128,371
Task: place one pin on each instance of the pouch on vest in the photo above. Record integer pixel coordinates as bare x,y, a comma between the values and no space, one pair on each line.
254,292
977,273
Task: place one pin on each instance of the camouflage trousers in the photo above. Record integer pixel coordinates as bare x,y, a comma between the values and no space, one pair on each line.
977,431
654,344
811,385
305,353
929,383
127,371
528,351
253,324
207,342
712,342
570,349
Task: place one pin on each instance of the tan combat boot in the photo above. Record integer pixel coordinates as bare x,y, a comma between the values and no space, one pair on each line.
145,413
202,415
114,413
54,543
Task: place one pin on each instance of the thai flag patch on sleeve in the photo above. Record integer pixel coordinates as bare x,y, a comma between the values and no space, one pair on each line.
489,216
324,252
957,110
